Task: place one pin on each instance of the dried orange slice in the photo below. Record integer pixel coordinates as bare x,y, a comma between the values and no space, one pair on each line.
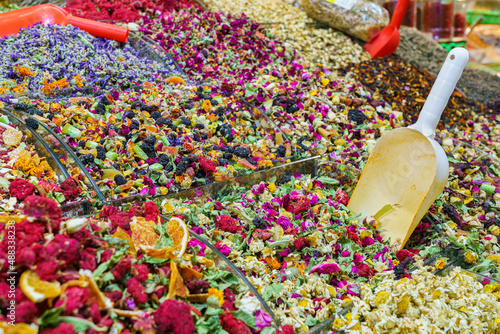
144,235
175,80
96,294
176,287
19,328
178,231
189,273
36,289
121,234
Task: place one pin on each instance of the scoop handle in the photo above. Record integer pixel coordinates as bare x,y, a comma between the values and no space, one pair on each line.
441,91
399,13
100,29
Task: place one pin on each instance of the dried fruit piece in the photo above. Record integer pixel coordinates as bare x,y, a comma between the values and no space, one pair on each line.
178,231
12,137
36,289
144,235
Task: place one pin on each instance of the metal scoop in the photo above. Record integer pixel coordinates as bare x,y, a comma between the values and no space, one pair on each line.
407,169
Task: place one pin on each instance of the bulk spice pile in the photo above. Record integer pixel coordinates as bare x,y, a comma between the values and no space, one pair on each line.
46,58
157,140
272,87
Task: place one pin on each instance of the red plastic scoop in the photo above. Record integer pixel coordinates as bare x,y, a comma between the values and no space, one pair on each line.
387,41
13,21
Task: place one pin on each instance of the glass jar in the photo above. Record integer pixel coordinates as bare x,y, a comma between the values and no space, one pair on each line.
437,18
410,15
459,18
419,10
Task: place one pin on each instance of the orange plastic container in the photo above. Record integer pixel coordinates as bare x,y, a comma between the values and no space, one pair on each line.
13,21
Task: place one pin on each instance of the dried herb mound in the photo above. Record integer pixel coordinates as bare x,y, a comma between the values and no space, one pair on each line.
405,87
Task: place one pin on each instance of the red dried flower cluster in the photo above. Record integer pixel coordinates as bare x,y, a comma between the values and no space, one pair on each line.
70,189
20,189
300,243
135,288
287,329
341,197
124,11
63,328
174,317
207,165
43,209
232,325
404,253
295,203
227,224
148,210
364,270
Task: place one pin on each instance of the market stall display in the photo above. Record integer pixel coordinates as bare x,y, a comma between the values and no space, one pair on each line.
218,150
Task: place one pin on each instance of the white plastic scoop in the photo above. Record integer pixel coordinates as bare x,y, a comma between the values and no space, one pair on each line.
407,169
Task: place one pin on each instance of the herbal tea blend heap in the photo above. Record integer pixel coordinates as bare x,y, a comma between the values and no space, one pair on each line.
160,140
45,58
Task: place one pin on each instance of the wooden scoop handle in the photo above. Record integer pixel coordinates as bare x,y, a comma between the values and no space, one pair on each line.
441,91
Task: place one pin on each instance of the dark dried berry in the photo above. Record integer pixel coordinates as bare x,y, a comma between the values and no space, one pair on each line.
136,105
242,152
50,116
155,115
223,162
120,180
168,168
284,179
87,159
21,106
100,109
186,121
151,140
130,114
200,173
32,123
160,120
81,143
356,116
228,156
200,126
214,103
116,166
134,125
292,109
259,222
101,153
281,151
104,100
181,169
163,160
